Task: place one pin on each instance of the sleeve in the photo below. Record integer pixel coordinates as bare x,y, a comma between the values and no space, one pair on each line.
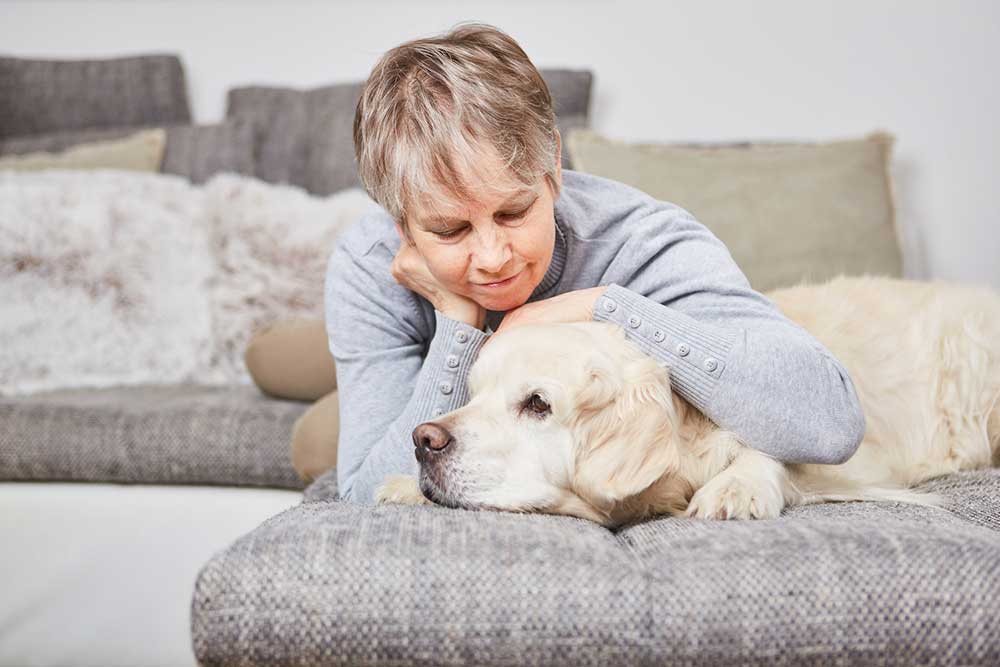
388,378
730,351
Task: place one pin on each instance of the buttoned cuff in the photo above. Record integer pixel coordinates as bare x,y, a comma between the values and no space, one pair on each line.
696,353
444,375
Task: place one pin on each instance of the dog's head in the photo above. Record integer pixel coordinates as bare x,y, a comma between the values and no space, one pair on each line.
563,418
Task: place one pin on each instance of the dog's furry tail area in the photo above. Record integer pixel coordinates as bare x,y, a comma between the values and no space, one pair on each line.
875,493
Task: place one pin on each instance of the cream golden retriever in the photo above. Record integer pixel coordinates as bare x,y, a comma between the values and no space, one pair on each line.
575,419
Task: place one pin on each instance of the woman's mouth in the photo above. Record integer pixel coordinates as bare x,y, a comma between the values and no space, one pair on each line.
502,283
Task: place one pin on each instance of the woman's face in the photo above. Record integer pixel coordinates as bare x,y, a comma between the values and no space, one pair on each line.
496,237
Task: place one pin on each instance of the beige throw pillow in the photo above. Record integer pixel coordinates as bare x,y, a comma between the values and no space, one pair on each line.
291,359
787,212
142,151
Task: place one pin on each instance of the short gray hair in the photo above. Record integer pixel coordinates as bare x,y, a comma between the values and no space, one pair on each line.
430,106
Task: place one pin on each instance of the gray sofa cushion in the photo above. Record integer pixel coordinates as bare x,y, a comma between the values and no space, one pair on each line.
302,137
42,96
181,434
305,137
196,152
330,582
323,488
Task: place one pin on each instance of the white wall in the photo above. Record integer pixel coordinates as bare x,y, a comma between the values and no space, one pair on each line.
664,71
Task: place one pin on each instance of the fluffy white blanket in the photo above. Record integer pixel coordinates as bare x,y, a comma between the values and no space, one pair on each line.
114,277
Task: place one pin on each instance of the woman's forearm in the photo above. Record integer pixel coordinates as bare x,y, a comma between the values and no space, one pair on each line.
440,386
771,385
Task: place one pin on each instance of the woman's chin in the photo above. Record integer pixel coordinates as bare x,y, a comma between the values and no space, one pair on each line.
503,299
502,302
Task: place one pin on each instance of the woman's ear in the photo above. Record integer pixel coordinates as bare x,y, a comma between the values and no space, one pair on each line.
630,443
404,234
558,157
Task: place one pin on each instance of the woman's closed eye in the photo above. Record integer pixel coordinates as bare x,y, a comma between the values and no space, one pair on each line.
506,216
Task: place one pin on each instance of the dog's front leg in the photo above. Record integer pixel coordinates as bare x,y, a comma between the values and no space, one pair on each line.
753,486
402,490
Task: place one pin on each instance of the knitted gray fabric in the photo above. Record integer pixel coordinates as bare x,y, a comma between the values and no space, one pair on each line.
179,434
42,96
322,488
335,583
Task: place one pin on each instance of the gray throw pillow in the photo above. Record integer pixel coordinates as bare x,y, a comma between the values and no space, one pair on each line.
196,152
305,137
44,96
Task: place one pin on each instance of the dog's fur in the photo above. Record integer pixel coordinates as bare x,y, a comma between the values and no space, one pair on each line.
616,445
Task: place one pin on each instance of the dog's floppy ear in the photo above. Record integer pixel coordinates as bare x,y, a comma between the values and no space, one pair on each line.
601,386
625,434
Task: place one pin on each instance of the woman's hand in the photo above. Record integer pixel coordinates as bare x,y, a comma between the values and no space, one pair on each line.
410,270
575,306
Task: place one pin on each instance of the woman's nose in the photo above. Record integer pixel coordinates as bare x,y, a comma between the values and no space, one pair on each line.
493,254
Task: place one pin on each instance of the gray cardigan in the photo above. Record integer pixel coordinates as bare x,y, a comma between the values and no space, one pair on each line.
672,286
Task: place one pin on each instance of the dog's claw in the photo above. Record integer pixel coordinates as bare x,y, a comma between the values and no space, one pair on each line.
400,489
730,499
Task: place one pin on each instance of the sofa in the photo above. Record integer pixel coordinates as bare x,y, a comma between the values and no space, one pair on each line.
151,512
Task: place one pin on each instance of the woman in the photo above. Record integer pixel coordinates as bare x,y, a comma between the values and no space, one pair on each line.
482,230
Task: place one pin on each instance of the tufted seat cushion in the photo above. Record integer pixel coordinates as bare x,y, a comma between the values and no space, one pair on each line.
149,434
330,582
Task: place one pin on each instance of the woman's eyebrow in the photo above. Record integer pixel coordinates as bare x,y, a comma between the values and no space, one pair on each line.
517,196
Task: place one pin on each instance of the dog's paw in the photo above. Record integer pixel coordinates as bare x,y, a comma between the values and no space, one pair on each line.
730,497
401,490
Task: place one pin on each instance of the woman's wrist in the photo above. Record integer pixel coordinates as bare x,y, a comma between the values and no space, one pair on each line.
471,313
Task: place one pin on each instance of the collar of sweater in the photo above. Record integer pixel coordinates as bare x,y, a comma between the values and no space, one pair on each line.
555,269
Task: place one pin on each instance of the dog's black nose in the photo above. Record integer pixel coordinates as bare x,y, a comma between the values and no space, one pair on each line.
430,436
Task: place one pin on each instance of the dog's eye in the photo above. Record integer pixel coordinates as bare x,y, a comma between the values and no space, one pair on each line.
537,405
